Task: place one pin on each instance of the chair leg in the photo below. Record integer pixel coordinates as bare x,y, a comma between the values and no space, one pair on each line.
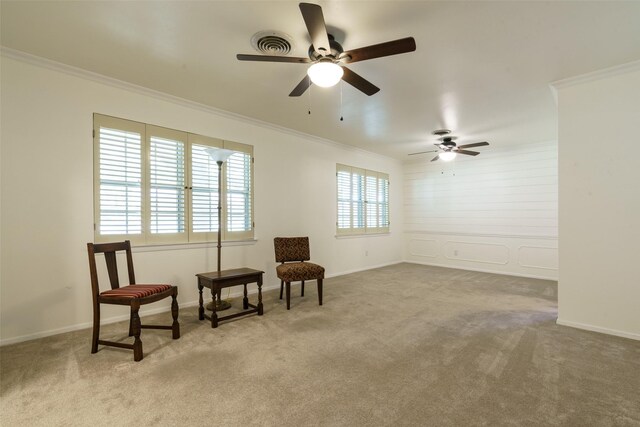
130,326
319,291
96,327
281,286
135,320
288,295
175,326
302,291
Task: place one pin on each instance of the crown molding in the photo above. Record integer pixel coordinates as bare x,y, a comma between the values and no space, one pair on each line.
597,75
121,84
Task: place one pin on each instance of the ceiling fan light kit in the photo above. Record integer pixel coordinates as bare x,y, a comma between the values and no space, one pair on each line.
447,156
325,73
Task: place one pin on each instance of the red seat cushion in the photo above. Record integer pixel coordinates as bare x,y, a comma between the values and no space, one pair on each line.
136,291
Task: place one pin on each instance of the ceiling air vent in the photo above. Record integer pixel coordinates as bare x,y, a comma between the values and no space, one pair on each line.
272,43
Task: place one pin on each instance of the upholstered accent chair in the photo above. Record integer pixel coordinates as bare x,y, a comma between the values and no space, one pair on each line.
292,252
133,295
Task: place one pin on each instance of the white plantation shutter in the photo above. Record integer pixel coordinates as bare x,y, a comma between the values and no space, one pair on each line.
158,185
204,189
344,199
383,200
372,200
167,177
239,200
237,190
119,171
363,201
351,199
377,202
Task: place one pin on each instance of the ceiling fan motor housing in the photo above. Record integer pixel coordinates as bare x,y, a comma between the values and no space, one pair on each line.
336,50
448,142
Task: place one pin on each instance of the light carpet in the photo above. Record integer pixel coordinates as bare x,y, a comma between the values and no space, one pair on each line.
401,345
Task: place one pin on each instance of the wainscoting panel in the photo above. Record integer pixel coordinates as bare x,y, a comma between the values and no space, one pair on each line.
514,255
486,253
538,257
427,248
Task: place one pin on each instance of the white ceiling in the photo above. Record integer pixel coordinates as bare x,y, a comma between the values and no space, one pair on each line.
481,69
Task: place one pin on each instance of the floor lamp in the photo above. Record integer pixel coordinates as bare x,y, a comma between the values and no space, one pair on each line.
219,155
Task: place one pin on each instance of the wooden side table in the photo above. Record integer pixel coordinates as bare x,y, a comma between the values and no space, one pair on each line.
217,280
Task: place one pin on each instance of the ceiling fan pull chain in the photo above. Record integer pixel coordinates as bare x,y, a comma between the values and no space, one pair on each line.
309,97
341,117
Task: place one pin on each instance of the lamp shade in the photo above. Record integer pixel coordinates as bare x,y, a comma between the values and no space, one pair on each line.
219,154
325,73
447,156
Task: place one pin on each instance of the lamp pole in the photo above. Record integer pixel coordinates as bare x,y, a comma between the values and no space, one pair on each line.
219,213
219,155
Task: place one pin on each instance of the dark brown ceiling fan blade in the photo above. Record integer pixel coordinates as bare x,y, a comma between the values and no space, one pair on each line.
435,158
314,20
394,47
359,82
302,87
475,144
423,152
468,153
272,58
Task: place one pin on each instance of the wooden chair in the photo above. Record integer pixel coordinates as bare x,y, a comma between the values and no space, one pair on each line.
292,252
133,295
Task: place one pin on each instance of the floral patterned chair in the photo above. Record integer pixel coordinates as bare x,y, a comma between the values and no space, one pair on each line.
292,252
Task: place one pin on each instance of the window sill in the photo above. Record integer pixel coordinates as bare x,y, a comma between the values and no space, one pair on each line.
197,245
357,236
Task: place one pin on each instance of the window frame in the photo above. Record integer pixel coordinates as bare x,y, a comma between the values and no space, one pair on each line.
363,199
146,132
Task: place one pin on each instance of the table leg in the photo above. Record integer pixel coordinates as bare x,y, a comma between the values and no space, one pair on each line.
260,310
245,300
214,316
201,303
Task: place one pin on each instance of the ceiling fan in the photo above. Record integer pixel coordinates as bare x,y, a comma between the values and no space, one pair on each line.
450,149
328,58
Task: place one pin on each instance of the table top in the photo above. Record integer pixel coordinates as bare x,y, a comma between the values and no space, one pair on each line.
229,274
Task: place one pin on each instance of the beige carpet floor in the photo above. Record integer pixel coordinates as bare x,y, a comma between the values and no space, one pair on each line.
401,345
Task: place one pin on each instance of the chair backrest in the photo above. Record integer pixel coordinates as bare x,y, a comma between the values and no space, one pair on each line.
109,250
291,249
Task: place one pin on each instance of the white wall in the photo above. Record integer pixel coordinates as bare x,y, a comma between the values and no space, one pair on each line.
495,212
47,196
599,154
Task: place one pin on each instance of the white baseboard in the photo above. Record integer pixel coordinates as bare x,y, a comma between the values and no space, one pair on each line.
86,325
357,270
114,319
233,294
593,328
148,312
483,270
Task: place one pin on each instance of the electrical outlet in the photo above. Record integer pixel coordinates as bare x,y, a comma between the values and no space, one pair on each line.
455,252
366,253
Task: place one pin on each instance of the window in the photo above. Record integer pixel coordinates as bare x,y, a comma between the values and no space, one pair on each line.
158,185
363,201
